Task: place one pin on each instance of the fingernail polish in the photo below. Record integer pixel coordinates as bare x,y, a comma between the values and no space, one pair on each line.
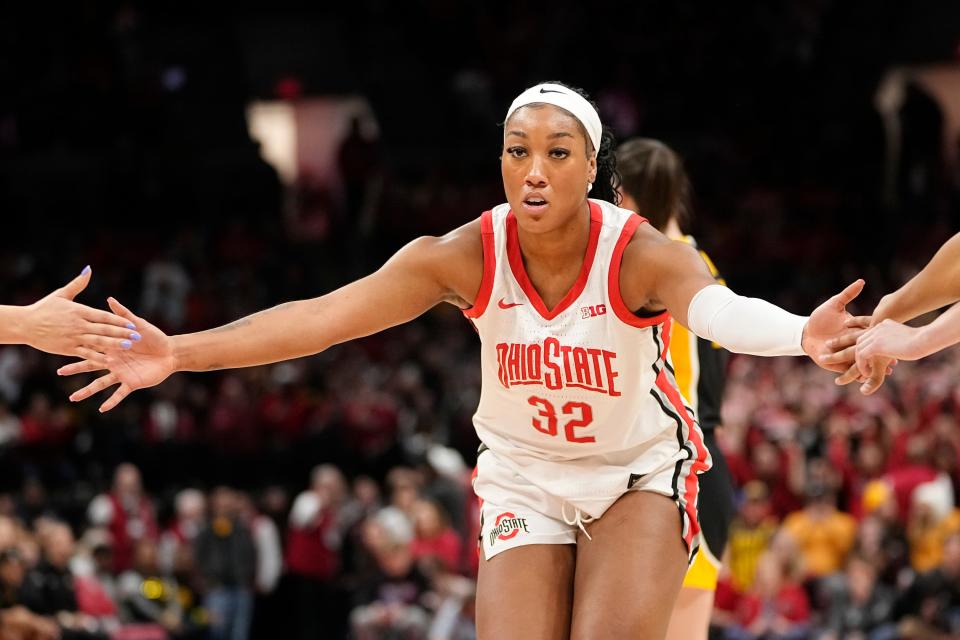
126,344
85,271
135,336
130,325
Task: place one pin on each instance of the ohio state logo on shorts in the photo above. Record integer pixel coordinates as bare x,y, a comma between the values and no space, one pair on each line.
507,526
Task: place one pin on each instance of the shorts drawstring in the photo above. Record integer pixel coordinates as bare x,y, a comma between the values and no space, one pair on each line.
578,519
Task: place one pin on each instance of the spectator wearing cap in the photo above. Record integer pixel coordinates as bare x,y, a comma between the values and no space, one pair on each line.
127,513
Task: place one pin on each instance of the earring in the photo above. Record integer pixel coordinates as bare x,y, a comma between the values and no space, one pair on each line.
589,186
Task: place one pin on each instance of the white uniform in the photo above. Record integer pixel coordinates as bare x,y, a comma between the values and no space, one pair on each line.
578,403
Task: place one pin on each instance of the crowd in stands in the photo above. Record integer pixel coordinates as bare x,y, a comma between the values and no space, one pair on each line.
847,518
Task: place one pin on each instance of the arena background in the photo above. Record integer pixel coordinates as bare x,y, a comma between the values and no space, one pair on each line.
210,163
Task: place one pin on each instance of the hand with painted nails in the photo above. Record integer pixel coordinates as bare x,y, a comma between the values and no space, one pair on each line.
56,324
141,362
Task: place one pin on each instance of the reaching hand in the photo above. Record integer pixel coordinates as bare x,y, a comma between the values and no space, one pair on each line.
828,322
149,362
869,368
57,324
883,343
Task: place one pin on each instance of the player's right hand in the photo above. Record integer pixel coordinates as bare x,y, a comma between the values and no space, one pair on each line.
56,324
147,363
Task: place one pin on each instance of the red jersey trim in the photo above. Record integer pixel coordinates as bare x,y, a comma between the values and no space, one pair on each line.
489,267
520,273
692,485
613,283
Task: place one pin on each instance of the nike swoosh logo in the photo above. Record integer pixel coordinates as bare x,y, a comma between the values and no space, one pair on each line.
542,90
508,305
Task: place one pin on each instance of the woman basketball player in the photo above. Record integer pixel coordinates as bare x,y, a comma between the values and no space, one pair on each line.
937,285
56,324
589,459
655,183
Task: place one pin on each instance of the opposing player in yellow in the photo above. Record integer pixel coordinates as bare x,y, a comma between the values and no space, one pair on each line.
655,184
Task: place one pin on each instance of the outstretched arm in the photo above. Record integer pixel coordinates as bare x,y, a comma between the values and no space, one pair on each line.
56,324
664,274
891,339
425,272
936,286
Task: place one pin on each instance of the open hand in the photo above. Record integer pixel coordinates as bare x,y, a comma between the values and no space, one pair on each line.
147,363
57,324
829,322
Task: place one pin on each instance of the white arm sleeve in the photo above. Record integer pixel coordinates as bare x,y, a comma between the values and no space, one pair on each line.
745,325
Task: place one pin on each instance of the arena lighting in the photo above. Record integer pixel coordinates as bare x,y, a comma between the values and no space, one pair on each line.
273,125
301,138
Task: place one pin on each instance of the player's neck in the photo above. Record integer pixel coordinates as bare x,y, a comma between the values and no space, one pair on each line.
672,230
555,249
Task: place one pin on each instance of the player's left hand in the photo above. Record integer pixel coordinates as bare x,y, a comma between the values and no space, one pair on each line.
828,322
887,340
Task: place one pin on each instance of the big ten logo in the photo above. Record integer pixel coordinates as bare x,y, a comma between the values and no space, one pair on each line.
507,526
593,312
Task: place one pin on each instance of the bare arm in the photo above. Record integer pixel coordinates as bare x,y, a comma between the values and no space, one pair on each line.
414,280
893,340
936,286
424,273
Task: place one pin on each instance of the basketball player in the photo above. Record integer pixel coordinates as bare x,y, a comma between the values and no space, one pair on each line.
588,466
56,324
656,184
937,285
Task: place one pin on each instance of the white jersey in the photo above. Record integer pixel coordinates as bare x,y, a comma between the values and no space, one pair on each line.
585,385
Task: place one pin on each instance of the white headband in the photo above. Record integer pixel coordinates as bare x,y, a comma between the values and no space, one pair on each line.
560,96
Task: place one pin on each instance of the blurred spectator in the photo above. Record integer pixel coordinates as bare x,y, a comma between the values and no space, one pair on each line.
931,604
823,534
436,543
269,554
149,597
190,505
932,520
127,513
10,426
859,605
775,607
166,285
49,590
750,535
389,603
226,560
313,541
